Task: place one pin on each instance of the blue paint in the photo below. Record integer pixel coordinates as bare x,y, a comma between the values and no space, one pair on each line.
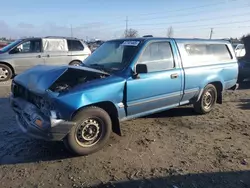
150,93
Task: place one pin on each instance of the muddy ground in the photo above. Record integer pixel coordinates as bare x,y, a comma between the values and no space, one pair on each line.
172,149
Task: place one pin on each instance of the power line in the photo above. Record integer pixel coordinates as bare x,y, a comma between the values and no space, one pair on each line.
191,8
196,20
174,11
192,13
223,23
220,27
108,26
206,25
206,28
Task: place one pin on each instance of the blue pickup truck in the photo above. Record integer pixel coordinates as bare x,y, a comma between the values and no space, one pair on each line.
121,80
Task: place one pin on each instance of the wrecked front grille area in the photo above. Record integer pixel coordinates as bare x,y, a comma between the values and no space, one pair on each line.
22,92
73,77
39,102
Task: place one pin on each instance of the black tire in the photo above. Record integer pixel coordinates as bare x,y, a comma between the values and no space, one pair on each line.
75,63
5,72
90,120
207,101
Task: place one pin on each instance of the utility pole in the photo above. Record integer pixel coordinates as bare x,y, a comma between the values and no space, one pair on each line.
211,33
71,30
126,31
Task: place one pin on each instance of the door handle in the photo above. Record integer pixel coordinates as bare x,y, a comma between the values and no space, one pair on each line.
48,55
39,56
173,76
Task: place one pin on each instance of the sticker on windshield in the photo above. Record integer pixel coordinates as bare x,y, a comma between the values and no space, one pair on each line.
130,43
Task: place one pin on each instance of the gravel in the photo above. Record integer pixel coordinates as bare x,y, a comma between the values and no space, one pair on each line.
175,149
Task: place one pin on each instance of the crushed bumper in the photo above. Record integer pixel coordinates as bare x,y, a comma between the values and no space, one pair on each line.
35,124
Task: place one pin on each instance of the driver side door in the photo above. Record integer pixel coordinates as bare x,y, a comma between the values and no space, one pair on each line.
160,87
28,55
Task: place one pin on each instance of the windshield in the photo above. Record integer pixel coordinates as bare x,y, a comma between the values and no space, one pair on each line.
11,45
112,55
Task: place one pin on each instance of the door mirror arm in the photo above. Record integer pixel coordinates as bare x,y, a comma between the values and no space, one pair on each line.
135,75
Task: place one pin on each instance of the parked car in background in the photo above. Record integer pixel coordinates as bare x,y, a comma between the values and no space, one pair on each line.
3,44
122,80
23,54
95,44
240,50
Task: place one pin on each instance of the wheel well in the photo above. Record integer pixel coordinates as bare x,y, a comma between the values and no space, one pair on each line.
219,87
110,108
12,69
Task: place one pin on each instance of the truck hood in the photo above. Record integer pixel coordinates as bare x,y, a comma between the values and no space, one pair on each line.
40,78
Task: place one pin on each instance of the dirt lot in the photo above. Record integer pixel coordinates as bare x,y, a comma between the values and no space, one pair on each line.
173,149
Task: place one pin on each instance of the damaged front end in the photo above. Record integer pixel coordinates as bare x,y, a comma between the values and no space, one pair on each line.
73,77
34,103
35,123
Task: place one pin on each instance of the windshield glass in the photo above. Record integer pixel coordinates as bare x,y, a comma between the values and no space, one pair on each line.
112,55
11,45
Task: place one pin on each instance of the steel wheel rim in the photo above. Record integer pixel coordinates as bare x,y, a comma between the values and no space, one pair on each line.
3,73
208,99
89,132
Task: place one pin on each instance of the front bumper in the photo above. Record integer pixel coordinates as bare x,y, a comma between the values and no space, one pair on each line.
37,125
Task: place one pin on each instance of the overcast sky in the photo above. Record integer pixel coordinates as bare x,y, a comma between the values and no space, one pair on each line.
106,19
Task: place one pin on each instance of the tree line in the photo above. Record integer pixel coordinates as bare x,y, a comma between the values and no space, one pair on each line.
132,33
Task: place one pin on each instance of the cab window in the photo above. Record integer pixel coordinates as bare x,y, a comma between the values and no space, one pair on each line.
157,56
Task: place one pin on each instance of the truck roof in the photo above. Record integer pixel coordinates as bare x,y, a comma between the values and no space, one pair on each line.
176,39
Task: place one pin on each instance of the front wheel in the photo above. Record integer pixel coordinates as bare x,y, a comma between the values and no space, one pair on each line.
207,101
5,72
91,133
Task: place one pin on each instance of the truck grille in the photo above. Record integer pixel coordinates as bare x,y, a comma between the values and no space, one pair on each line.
22,92
25,94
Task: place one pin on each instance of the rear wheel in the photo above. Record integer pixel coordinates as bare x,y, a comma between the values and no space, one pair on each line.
207,101
5,72
91,132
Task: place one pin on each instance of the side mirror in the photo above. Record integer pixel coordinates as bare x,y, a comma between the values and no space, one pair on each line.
141,68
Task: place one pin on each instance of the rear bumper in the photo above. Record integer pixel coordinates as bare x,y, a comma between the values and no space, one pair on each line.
35,124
